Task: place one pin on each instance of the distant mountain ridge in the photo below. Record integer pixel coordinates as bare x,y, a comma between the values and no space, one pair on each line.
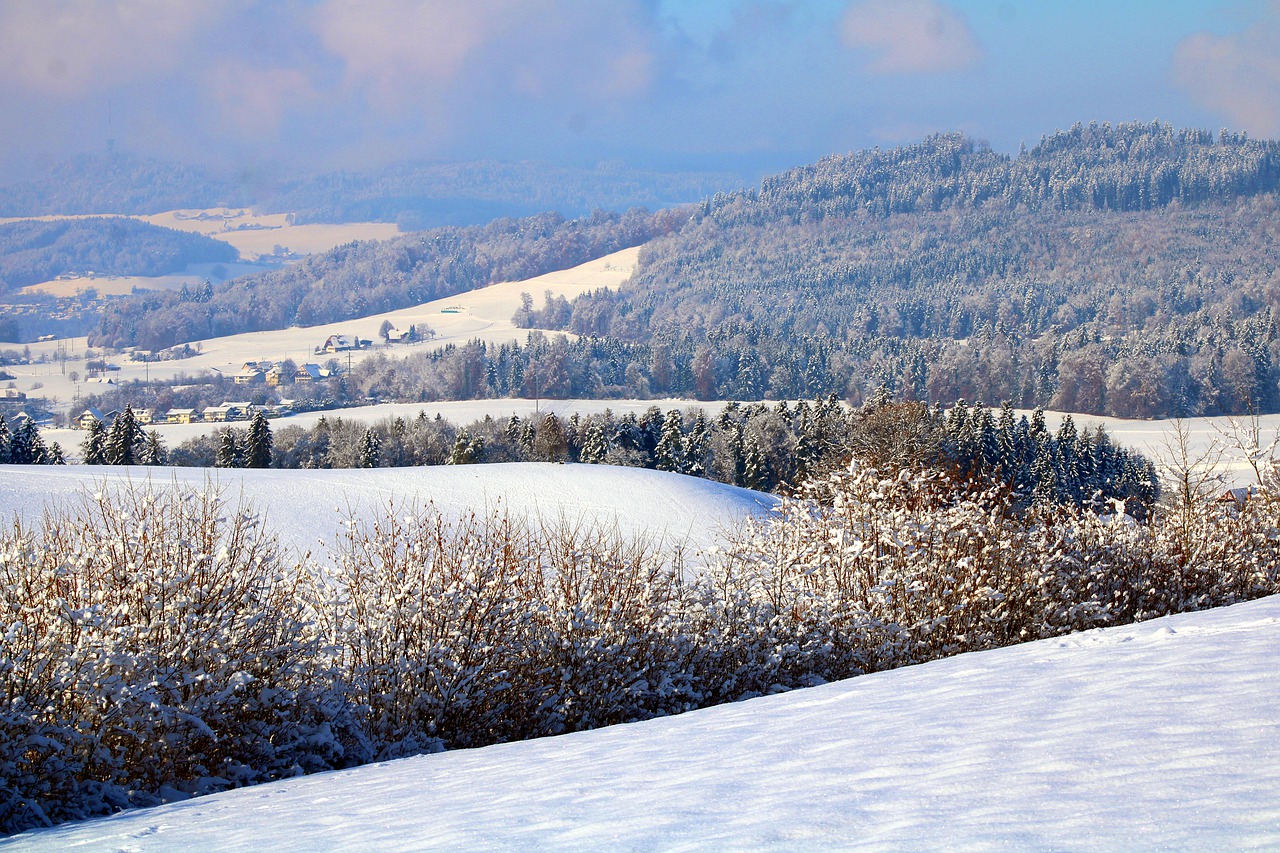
416,195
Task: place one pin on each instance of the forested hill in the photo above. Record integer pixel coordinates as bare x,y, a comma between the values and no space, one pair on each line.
358,279
1126,270
32,251
1127,167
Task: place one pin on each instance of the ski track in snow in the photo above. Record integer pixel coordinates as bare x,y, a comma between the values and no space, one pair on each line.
306,507
1161,735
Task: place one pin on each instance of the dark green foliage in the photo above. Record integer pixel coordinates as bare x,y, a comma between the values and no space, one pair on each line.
370,451
230,448
258,444
93,448
1123,270
126,440
33,251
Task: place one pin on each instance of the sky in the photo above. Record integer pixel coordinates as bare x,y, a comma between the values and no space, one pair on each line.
749,85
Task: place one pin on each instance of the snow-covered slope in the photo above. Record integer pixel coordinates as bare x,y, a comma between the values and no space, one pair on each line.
306,507
1162,735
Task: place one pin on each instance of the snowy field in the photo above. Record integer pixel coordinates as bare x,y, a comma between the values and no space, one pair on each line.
483,314
1158,736
305,508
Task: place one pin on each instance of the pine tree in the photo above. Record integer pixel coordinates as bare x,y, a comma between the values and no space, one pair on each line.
595,445
53,455
668,454
5,442
93,448
697,449
467,449
26,446
125,440
258,446
153,452
370,450
230,453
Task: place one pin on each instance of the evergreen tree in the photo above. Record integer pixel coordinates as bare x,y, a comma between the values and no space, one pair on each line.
153,452
697,450
230,452
595,445
467,449
668,453
258,446
370,450
5,442
93,448
22,444
125,440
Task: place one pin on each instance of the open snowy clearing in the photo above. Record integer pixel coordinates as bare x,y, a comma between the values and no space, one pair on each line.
483,314
1161,735
252,234
306,508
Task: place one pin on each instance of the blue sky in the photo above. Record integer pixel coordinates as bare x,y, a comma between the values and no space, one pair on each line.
752,85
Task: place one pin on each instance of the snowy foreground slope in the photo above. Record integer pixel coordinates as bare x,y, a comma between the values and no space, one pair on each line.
305,508
1160,735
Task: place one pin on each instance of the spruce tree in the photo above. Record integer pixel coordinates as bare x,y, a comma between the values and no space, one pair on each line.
125,440
230,454
93,448
257,452
370,450
668,454
6,442
25,445
595,445
153,451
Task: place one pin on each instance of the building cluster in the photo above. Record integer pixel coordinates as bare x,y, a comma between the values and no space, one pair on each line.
210,414
279,373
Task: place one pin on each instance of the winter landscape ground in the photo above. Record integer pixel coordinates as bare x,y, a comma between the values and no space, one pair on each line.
306,508
1155,736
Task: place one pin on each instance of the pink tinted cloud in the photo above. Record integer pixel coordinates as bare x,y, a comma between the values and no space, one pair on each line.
1236,75
408,49
256,100
911,36
69,47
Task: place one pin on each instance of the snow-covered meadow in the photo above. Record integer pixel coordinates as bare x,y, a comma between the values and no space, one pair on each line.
306,508
1155,736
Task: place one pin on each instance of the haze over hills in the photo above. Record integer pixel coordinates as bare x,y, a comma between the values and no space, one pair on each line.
415,195
1124,270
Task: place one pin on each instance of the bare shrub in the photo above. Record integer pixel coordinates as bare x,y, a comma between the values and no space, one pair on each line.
155,645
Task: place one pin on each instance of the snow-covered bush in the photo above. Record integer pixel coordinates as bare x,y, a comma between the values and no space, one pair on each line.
155,645
489,628
867,571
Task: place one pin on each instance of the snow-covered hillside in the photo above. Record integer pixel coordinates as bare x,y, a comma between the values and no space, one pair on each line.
1161,735
306,507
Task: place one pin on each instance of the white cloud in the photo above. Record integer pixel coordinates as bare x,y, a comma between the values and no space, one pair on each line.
1236,75
415,49
68,47
256,99
911,36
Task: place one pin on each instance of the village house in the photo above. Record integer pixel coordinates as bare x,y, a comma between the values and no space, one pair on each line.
11,394
340,343
182,416
251,373
310,373
86,418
